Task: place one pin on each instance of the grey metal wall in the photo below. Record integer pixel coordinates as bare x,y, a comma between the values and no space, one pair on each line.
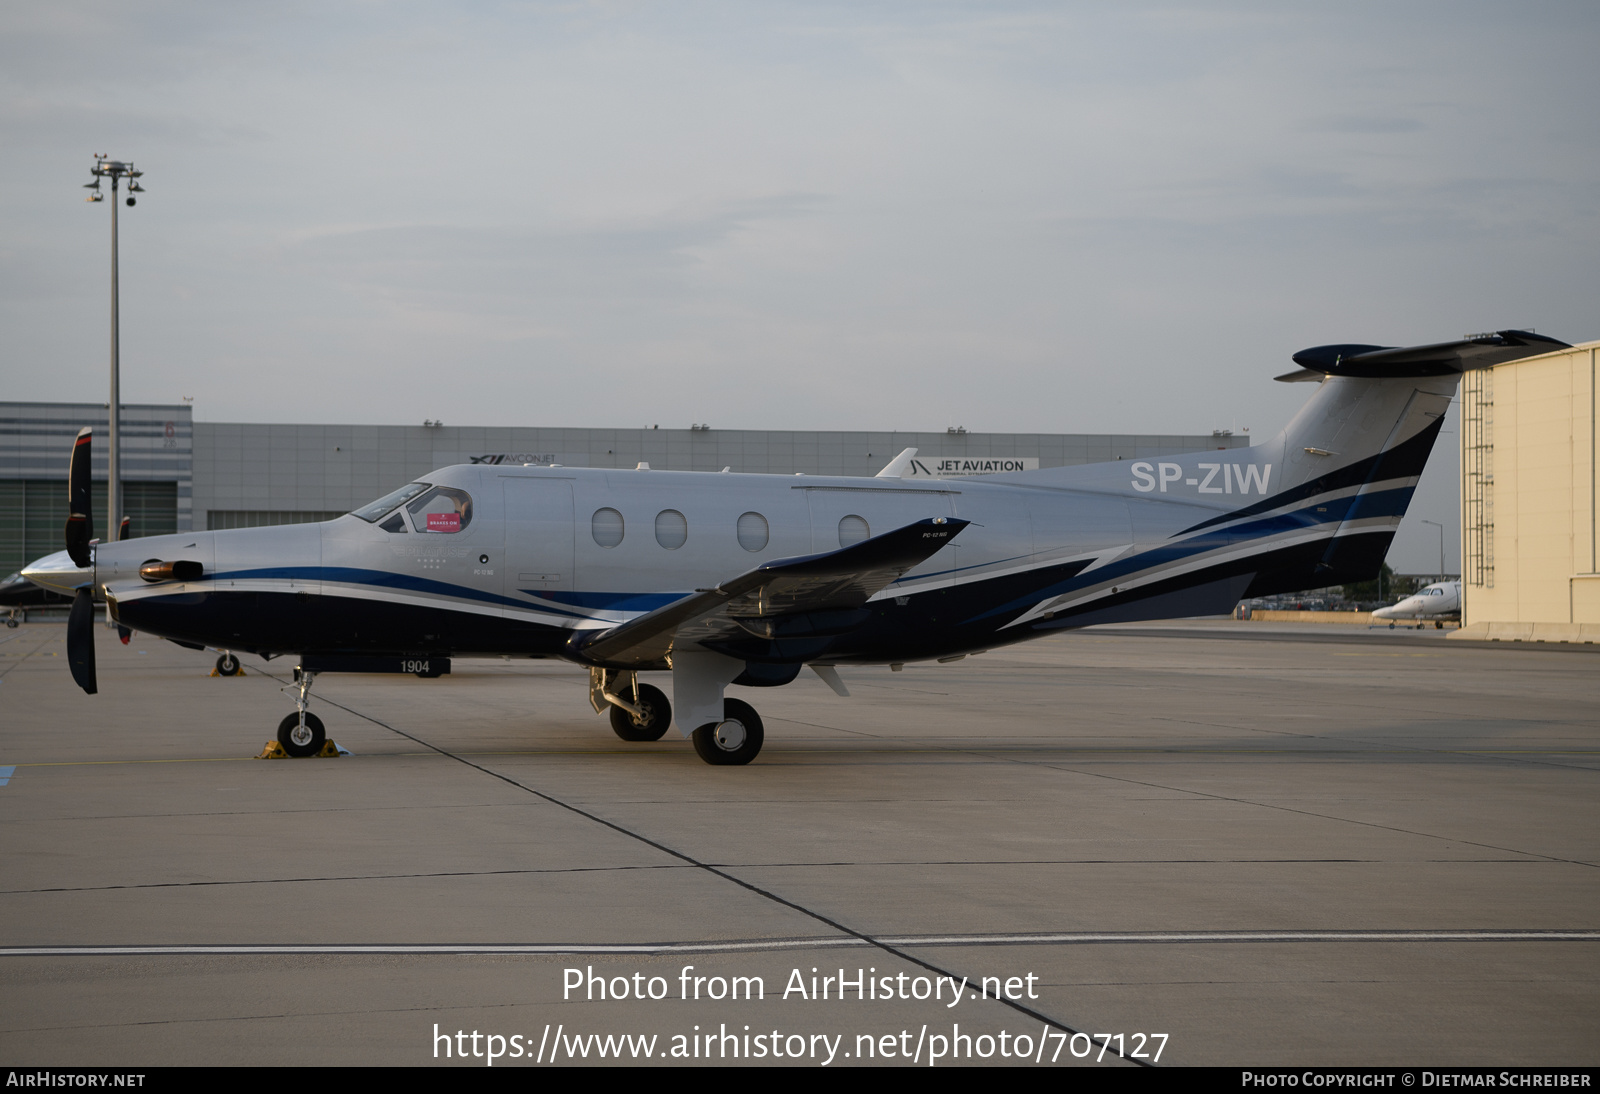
233,474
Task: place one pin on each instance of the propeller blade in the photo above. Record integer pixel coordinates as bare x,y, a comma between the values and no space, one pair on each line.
80,641
80,517
125,530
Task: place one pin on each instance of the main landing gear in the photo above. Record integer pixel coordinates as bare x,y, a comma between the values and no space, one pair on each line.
734,740
227,664
640,712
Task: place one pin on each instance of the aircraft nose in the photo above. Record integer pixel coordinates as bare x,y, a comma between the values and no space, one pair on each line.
59,573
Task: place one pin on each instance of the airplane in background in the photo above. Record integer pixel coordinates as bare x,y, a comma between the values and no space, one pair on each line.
18,594
723,578
1438,602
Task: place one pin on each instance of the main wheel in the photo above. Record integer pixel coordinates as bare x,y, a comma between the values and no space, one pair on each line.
11,622
734,740
302,740
227,665
658,716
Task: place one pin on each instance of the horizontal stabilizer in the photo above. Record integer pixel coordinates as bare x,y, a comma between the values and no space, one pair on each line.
832,582
1442,359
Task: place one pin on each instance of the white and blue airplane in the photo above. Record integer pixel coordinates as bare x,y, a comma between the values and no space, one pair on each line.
728,578
1437,602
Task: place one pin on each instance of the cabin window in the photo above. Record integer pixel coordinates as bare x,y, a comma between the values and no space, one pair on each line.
853,529
389,502
672,530
396,523
443,509
606,527
753,532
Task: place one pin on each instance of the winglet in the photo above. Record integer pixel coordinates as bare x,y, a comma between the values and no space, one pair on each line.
898,466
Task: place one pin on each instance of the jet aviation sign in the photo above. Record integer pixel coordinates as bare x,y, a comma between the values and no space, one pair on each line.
960,467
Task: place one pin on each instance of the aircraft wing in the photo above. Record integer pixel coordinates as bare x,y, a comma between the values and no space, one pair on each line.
761,600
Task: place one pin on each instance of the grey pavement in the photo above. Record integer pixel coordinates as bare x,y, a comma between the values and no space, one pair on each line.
1409,826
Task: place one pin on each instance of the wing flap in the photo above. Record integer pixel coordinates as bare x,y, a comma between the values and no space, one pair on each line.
826,583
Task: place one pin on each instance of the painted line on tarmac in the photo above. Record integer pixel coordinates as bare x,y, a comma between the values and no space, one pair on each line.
861,937
777,945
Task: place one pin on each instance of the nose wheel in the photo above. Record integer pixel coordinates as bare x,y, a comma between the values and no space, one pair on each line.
735,740
301,734
227,665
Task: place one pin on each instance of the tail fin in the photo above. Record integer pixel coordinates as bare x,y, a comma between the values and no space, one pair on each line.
1360,443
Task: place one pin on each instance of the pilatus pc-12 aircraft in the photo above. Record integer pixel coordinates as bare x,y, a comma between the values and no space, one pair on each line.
748,579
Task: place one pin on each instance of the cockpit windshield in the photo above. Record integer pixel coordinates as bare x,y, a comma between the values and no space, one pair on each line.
442,509
375,510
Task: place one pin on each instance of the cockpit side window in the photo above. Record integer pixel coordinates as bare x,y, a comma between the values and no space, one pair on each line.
442,509
373,511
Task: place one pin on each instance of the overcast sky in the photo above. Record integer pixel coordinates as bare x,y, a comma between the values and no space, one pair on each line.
1013,217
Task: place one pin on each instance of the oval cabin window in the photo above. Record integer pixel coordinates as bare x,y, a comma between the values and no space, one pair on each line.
672,530
607,527
753,532
853,529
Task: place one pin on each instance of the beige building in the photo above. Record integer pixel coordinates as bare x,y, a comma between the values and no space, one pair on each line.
1530,567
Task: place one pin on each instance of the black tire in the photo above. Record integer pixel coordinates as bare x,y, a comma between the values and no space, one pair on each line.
716,752
227,665
312,741
11,622
654,703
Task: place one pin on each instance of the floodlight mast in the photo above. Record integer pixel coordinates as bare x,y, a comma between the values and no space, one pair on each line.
1439,526
116,171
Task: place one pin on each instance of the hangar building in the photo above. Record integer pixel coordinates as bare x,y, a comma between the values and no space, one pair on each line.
180,474
1530,567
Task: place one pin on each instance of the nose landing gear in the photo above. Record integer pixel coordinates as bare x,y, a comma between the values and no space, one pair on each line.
301,734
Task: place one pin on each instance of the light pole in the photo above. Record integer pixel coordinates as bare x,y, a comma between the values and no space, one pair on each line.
116,171
1439,526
